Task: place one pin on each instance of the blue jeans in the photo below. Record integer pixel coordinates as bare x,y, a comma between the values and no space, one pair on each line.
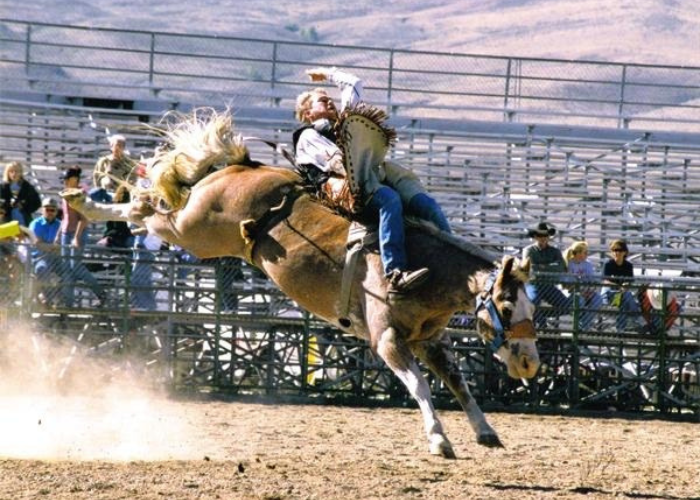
68,273
78,270
589,308
538,292
386,203
143,295
629,308
426,208
100,195
50,264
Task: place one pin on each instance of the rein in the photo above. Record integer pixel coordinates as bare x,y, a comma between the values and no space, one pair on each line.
521,330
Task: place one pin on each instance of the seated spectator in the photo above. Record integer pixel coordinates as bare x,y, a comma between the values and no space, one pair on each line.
113,168
117,233
545,259
618,273
20,198
50,268
578,264
14,240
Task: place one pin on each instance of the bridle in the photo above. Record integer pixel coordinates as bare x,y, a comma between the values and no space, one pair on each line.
503,331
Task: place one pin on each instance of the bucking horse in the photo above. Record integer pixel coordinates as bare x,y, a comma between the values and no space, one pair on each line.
210,198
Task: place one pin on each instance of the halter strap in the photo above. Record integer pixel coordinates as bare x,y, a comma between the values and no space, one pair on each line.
521,330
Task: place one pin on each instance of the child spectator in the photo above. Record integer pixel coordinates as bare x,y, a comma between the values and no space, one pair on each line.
577,263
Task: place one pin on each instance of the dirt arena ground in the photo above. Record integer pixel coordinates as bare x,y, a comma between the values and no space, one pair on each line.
140,447
72,428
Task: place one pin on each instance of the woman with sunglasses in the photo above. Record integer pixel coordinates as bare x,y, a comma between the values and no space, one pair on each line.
618,273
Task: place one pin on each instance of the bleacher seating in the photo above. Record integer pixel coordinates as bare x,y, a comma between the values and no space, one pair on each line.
493,179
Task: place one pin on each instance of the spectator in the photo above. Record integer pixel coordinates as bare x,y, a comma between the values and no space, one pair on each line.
545,259
113,168
578,264
50,268
13,258
227,271
144,296
73,235
117,233
145,246
19,197
618,273
74,224
386,190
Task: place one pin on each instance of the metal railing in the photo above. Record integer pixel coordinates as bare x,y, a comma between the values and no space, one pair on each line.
127,65
193,335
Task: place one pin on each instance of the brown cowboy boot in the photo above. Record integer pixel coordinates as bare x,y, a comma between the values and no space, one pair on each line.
405,281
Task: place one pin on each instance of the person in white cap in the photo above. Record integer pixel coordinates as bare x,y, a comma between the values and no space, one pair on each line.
48,261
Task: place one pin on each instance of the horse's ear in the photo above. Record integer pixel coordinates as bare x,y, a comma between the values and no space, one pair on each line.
525,266
507,265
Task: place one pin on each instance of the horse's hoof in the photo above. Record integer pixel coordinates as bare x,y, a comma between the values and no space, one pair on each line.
442,448
490,440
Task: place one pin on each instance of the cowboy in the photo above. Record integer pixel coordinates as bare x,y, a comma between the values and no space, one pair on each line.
114,167
544,259
390,189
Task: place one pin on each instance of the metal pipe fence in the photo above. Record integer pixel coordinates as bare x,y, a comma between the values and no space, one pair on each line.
224,327
99,63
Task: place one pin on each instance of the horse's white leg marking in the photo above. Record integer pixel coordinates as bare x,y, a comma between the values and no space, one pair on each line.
97,211
398,357
101,211
439,358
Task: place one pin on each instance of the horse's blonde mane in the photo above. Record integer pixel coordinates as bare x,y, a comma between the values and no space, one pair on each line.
195,143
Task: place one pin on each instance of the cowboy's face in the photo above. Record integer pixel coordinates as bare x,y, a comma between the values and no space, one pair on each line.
321,106
542,240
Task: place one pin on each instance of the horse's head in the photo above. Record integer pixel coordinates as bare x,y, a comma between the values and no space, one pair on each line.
504,318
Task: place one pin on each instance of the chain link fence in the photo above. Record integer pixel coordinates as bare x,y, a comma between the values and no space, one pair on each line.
221,325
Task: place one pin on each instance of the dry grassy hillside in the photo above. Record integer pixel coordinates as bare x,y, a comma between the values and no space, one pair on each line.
640,31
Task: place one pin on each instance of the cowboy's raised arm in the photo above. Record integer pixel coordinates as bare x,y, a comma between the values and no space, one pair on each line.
350,86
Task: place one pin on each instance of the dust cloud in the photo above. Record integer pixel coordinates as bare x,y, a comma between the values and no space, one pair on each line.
57,403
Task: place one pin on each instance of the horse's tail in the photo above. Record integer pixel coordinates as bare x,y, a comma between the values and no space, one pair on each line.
195,144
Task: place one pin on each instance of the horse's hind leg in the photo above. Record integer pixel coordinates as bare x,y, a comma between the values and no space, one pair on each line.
398,357
439,358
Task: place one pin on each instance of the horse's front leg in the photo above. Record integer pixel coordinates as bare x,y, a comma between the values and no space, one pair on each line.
438,356
94,211
398,357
